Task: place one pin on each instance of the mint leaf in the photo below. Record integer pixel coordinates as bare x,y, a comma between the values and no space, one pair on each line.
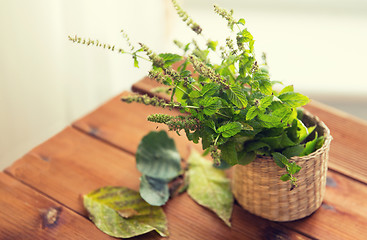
255,145
280,159
310,146
293,168
285,177
287,89
230,129
237,96
210,105
245,158
170,58
229,153
251,113
293,151
293,99
212,45
209,89
241,21
265,87
265,102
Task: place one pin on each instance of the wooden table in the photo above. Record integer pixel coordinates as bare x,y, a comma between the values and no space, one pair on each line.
40,194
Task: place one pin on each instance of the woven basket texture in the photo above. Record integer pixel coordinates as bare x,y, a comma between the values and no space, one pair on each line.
258,189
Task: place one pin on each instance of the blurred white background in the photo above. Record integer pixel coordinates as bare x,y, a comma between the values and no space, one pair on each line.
46,81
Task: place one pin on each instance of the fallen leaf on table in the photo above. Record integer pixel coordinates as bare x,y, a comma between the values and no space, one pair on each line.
210,187
121,212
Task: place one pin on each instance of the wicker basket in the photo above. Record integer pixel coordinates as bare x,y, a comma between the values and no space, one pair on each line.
258,189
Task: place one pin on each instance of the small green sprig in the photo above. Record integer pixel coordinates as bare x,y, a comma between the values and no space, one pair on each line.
228,15
186,18
205,70
97,43
153,101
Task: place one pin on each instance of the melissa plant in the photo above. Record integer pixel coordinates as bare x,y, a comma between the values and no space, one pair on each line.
231,106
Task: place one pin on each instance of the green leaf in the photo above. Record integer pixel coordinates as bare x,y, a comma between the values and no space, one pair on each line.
237,96
136,63
293,168
241,21
280,159
293,151
180,93
211,124
193,136
252,113
294,99
278,142
210,105
154,190
230,129
212,45
252,146
170,58
310,146
210,187
185,73
246,126
320,142
270,120
228,153
122,213
209,89
287,89
265,102
285,177
246,35
157,156
265,87
245,158
206,138
195,94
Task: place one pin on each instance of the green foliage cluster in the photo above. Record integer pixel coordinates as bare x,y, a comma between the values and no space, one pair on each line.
231,106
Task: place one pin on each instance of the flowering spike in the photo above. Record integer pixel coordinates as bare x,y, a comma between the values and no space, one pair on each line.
185,18
153,101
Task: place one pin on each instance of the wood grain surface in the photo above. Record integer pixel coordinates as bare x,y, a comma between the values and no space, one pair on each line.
27,214
73,163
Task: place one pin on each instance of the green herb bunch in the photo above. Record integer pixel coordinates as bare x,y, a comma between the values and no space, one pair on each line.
230,106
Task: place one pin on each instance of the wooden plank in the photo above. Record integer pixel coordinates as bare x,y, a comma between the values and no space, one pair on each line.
73,163
348,149
26,214
58,168
124,129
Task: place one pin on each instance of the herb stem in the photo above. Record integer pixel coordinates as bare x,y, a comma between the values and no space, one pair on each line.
146,59
216,140
192,107
223,115
181,89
